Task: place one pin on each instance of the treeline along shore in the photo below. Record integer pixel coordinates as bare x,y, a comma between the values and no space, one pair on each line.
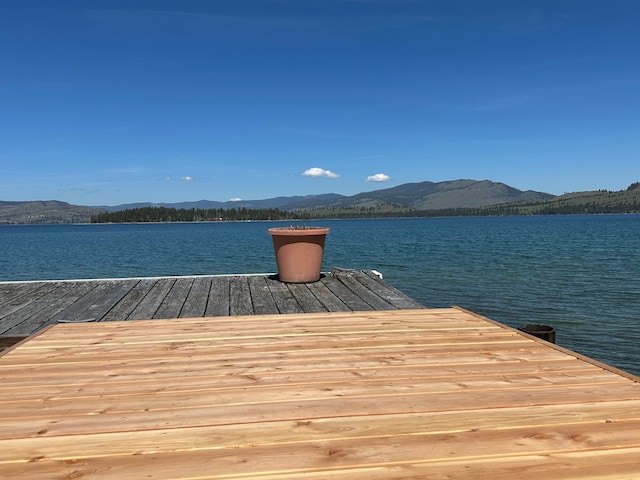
168,214
601,202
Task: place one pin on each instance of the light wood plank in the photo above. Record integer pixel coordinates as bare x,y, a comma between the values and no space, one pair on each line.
409,378
608,465
382,394
243,460
73,374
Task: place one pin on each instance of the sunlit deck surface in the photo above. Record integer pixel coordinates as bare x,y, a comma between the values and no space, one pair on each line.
364,395
26,307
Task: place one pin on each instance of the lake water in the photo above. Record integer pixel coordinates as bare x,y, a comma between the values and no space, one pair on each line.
579,274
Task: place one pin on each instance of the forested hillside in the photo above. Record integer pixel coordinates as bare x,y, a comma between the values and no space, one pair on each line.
39,212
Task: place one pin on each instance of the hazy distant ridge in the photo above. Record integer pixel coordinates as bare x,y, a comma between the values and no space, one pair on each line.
282,203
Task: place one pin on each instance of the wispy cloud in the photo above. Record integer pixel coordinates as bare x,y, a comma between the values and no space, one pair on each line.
186,179
315,133
530,21
505,102
51,84
183,18
129,170
317,172
378,177
350,23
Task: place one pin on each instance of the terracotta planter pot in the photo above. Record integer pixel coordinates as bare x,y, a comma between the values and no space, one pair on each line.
299,252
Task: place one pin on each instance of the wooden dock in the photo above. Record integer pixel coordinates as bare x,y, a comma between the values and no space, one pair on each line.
26,307
365,395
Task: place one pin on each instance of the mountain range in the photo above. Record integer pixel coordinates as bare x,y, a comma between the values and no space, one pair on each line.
426,195
420,196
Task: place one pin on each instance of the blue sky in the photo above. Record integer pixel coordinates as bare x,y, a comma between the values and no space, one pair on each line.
110,102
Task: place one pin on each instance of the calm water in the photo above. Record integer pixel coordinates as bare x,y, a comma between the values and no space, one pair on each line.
580,274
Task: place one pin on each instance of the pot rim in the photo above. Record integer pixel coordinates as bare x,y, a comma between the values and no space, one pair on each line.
288,231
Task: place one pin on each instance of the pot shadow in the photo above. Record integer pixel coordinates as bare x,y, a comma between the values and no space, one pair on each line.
276,277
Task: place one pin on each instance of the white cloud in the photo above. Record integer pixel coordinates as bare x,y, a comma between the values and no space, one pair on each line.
235,199
186,179
378,177
319,172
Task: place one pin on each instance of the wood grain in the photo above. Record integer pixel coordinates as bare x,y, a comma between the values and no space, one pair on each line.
393,394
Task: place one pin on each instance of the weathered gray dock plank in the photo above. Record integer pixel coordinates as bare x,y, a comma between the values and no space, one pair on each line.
149,305
90,304
11,293
7,291
283,297
47,315
261,296
175,298
218,302
195,304
28,310
361,291
307,300
26,307
101,302
124,308
350,299
240,297
18,298
386,291
330,300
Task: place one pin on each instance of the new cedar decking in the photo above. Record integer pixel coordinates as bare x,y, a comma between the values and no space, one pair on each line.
399,394
26,307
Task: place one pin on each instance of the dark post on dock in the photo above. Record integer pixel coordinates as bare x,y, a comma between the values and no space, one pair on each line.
545,332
